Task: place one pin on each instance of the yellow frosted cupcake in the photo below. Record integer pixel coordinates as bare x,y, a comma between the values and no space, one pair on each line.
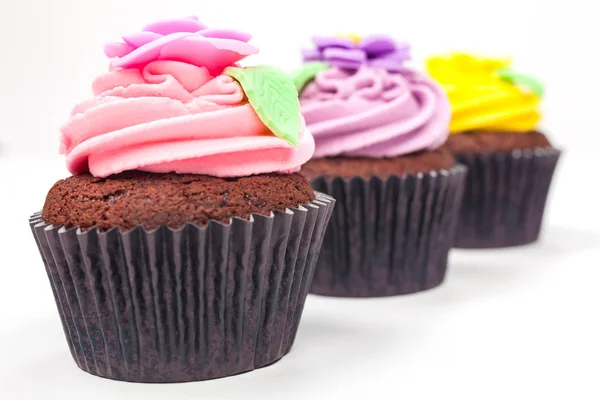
494,132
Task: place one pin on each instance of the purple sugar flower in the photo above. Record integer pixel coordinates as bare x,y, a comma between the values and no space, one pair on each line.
379,51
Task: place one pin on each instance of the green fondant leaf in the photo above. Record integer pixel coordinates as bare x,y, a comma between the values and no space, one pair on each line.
273,96
306,74
515,78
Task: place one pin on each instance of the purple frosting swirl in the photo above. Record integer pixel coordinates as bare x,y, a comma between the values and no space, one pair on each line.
379,51
374,113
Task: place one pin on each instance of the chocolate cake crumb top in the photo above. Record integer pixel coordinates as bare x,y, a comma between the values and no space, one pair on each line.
350,167
137,198
491,142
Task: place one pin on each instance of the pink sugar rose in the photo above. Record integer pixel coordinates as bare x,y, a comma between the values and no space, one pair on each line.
184,39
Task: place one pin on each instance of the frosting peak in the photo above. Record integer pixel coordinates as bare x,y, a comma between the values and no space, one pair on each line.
374,113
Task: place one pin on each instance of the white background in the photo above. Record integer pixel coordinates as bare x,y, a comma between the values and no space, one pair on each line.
518,323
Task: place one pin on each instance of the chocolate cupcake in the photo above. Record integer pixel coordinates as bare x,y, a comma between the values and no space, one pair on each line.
184,245
379,129
494,133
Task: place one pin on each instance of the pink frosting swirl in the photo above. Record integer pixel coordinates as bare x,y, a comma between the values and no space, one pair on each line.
164,107
173,116
375,113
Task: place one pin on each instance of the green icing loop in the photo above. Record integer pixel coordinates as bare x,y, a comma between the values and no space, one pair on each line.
273,96
515,78
307,73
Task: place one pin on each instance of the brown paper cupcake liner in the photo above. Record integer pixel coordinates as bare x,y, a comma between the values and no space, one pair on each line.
184,305
505,196
388,237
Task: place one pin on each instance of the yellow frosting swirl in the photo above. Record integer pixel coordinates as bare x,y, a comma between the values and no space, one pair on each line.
486,95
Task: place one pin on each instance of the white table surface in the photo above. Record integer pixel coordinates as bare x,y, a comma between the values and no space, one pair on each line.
507,324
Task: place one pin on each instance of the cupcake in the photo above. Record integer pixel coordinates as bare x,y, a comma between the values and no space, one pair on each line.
495,114
379,129
184,244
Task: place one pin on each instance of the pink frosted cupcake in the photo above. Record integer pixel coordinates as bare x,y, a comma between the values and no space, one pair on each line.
379,129
183,246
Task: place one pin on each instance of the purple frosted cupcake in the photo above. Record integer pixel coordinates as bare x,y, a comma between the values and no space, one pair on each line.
379,129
